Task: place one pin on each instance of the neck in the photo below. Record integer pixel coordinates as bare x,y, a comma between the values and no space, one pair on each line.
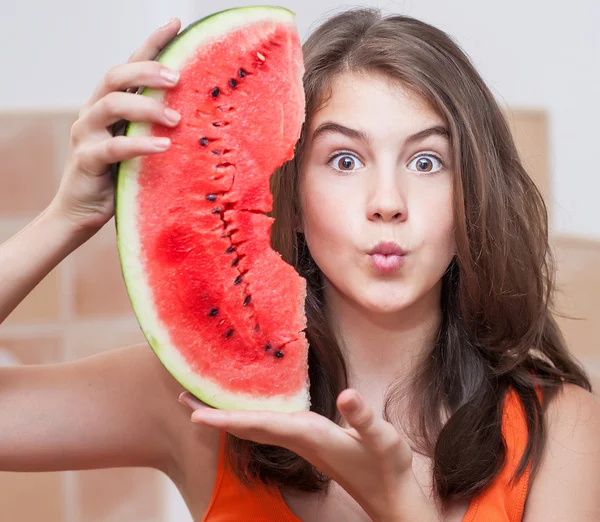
382,348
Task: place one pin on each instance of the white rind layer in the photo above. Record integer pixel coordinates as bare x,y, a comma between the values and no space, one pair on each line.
129,245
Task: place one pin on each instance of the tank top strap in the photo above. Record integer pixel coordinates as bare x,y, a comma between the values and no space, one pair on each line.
232,500
504,499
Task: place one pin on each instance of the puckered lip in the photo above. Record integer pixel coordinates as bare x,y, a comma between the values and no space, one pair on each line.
387,248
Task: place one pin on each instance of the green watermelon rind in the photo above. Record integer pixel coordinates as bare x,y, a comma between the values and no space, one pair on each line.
174,56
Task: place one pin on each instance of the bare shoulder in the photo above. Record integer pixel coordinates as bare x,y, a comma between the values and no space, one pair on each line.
193,450
567,485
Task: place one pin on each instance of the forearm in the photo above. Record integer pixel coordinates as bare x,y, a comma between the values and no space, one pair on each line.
28,256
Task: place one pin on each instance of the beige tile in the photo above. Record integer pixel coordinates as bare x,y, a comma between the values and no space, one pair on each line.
578,287
98,287
28,497
42,305
31,349
62,121
118,495
85,339
28,149
9,226
530,131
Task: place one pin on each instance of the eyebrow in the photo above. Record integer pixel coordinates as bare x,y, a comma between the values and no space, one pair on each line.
332,127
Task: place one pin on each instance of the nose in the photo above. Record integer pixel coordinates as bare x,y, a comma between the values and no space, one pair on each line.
387,198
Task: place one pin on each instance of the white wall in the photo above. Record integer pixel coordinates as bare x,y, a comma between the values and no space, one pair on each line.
533,53
55,52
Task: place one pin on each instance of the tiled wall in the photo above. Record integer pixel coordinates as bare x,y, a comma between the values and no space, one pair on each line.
81,308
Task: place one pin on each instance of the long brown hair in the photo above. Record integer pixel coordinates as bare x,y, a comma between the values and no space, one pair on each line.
497,331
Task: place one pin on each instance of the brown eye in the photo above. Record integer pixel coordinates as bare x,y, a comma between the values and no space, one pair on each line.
426,164
345,163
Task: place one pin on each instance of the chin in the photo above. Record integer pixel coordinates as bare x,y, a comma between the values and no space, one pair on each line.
387,304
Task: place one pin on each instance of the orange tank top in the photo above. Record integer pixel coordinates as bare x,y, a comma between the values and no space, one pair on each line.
500,502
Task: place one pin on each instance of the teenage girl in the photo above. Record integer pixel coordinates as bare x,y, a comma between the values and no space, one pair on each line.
441,386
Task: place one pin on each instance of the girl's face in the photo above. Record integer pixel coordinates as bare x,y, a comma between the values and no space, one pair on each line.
377,168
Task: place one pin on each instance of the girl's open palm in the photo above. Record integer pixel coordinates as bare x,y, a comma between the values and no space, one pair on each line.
369,458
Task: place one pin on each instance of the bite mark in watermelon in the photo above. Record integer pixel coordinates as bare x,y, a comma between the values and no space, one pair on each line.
221,309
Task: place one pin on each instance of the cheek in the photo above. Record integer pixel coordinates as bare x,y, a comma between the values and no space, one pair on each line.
324,220
437,224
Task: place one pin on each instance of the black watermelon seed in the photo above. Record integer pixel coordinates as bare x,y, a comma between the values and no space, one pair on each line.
215,92
229,333
256,328
213,312
238,280
204,142
267,348
279,354
233,83
247,300
216,123
235,261
242,73
215,211
230,250
211,197
216,152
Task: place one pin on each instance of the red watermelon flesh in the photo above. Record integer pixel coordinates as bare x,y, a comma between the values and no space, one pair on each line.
221,309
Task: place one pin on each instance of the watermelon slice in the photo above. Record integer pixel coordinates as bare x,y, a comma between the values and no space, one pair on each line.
221,309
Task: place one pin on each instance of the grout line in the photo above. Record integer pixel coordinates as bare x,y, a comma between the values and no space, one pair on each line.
66,303
590,362
25,330
14,223
69,496
38,329
37,110
577,241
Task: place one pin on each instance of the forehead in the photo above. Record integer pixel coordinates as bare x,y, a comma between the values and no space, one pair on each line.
376,104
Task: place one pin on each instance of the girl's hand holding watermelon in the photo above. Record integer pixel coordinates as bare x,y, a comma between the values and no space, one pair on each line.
86,193
84,201
370,459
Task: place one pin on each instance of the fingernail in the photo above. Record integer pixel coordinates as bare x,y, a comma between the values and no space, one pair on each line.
169,75
172,115
161,143
187,400
166,24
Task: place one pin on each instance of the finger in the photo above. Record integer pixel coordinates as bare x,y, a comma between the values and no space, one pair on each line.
156,41
95,159
117,106
147,52
360,416
131,75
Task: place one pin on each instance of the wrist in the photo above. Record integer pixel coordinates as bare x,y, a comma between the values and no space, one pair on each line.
410,503
29,256
68,230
